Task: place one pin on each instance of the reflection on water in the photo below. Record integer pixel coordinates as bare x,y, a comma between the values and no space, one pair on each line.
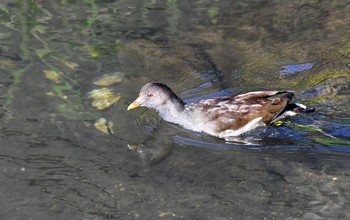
295,68
56,164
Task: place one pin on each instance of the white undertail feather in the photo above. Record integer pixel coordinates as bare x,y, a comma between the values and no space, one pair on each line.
301,105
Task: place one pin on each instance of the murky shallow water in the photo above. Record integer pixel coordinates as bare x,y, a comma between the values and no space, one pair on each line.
57,165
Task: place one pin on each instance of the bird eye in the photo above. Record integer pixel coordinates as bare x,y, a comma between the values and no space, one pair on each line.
149,94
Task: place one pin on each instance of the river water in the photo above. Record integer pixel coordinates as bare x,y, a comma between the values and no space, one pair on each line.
56,163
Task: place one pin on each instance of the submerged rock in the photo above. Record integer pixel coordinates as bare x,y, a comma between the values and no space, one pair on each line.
103,98
104,126
109,79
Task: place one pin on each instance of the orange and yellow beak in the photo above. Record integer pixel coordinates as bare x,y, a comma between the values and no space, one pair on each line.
136,103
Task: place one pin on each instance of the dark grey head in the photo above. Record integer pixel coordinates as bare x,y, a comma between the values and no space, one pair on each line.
154,95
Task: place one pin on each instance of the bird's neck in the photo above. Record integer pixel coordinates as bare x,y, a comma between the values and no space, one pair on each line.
171,109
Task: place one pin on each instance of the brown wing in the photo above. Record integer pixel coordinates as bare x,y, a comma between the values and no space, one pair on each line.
233,112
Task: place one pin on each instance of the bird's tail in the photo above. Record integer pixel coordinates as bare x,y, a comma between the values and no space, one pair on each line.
293,109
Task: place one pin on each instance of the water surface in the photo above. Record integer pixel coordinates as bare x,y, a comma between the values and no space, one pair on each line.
57,165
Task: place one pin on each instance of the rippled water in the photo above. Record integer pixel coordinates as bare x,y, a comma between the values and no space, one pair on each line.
57,165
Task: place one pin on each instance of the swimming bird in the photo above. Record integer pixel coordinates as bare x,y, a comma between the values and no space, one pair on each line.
223,117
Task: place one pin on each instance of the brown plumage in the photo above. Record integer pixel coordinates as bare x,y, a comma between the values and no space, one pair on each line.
223,117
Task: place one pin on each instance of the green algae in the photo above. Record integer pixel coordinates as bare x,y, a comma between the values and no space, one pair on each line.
69,112
308,128
27,22
331,141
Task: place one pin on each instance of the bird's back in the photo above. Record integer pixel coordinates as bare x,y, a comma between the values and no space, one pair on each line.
233,115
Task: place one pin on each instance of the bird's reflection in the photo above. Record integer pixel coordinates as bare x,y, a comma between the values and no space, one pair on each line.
159,145
156,147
